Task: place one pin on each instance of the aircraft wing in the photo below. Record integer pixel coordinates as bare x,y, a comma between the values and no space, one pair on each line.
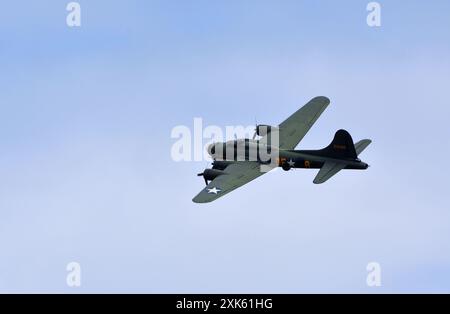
329,169
236,175
294,128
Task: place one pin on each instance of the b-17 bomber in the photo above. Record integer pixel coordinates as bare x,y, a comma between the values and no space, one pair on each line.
238,162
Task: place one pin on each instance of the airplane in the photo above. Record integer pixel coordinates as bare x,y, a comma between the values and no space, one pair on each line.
231,171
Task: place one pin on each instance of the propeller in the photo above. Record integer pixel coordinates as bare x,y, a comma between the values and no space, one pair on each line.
202,175
256,125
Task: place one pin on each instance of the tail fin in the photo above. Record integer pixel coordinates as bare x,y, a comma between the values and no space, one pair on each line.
341,147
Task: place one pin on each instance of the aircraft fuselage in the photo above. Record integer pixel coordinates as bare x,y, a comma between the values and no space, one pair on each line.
252,150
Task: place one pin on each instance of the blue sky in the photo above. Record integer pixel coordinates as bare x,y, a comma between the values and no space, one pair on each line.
86,173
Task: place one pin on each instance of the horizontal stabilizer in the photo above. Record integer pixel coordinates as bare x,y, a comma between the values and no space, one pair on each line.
361,145
328,170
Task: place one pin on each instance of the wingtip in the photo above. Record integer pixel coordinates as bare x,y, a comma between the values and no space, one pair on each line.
199,201
322,99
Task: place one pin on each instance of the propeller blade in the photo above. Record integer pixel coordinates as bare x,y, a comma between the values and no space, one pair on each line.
256,127
202,175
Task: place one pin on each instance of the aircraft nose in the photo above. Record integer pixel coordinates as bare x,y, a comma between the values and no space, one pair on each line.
211,149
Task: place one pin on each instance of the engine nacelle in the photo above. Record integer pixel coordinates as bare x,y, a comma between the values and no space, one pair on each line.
221,164
264,129
211,174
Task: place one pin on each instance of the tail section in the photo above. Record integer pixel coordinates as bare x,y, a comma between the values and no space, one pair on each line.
341,147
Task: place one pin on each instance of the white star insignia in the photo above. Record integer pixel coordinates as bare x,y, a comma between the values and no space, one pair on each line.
291,163
214,190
